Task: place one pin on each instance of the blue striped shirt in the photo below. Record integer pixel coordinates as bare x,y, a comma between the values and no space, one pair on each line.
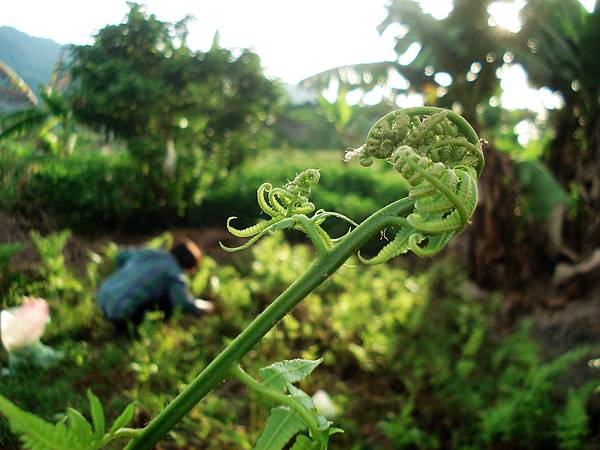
143,276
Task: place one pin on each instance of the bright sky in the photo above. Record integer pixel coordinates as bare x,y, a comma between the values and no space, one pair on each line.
294,39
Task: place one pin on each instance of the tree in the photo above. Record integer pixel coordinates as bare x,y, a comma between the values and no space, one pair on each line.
188,116
140,80
13,88
456,63
558,45
456,67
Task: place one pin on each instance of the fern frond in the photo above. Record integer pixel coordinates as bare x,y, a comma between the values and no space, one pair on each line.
263,189
396,247
37,434
437,152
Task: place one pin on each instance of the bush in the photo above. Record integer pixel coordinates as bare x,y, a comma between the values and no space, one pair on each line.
114,192
348,189
111,192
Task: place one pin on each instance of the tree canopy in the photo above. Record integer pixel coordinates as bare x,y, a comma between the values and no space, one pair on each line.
141,80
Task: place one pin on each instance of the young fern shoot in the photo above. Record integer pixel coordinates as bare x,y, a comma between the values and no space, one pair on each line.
288,207
440,156
434,155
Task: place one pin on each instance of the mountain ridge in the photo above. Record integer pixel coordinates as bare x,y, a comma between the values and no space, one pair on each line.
32,58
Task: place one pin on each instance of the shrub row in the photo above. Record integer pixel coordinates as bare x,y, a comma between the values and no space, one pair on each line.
95,192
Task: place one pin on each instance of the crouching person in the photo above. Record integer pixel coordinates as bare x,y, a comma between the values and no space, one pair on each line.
148,279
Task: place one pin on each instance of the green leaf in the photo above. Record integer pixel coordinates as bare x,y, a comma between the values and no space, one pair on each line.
124,418
79,425
303,442
540,190
21,122
97,414
302,397
7,251
335,430
37,434
323,423
280,373
19,89
281,426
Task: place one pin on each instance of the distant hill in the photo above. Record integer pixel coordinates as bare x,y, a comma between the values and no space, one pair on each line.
300,95
34,59
31,57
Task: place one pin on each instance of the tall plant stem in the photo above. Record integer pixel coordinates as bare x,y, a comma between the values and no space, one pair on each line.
220,368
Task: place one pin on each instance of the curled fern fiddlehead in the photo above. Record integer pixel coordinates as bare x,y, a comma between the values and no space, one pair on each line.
288,207
440,156
435,150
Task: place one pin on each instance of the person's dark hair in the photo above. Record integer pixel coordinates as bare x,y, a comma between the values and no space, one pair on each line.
187,254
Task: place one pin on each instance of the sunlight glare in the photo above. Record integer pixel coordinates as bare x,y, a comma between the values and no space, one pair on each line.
410,100
354,97
588,4
331,92
506,15
438,9
410,54
527,131
517,94
443,79
375,96
396,80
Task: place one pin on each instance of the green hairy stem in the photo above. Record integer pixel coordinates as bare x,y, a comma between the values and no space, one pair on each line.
219,369
440,156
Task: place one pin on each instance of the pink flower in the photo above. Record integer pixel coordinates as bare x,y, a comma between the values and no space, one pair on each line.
25,324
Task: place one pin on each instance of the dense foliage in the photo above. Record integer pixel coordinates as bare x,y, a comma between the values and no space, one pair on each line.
140,80
114,194
446,376
325,124
460,61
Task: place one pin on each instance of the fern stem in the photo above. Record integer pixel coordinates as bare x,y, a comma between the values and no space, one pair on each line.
313,233
458,204
128,432
220,367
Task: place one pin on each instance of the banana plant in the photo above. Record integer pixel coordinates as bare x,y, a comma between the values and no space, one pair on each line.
51,120
13,88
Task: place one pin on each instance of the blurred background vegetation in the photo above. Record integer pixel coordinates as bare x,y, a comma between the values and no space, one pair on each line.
491,346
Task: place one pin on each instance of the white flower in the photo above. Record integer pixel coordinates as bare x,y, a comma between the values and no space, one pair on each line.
324,404
25,324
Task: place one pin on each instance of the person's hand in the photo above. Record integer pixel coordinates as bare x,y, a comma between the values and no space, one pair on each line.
204,306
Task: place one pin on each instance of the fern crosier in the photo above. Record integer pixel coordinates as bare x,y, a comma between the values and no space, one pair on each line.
288,207
440,156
